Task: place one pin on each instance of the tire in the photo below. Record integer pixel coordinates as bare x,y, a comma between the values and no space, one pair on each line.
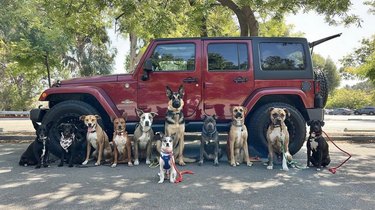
371,113
322,78
356,113
258,124
66,112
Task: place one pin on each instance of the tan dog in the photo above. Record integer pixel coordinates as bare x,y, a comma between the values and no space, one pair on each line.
97,138
121,142
278,137
237,149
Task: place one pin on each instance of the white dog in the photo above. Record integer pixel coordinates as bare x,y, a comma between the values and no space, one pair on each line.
166,160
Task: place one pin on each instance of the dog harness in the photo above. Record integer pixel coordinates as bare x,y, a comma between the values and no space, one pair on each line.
166,157
66,142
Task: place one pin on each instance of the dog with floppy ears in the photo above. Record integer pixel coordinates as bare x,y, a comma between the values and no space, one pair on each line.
69,142
121,142
143,135
237,148
37,152
278,137
175,124
96,138
166,160
317,147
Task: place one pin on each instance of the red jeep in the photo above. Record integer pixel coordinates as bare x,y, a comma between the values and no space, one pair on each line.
216,73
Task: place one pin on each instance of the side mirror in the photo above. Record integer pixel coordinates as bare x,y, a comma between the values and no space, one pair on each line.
147,68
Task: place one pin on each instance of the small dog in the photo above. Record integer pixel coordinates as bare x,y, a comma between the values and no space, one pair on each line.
175,123
68,140
143,135
97,138
238,151
37,152
166,160
278,137
121,141
317,147
209,135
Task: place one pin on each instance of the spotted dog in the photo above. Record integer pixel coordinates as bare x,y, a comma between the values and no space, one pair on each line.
166,160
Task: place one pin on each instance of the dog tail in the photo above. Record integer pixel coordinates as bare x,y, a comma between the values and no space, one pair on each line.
190,160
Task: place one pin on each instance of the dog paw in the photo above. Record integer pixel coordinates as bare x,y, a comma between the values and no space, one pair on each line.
97,163
200,162
148,162
181,163
130,164
161,181
233,164
249,164
70,165
285,169
45,166
114,165
136,162
318,169
216,163
38,166
237,163
85,162
60,165
269,167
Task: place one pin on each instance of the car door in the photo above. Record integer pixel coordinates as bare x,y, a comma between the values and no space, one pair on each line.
228,75
174,64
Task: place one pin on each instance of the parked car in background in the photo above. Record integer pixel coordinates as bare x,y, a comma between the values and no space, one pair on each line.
341,111
370,110
328,111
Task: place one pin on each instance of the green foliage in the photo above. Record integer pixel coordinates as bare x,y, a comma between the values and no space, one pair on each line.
330,70
349,98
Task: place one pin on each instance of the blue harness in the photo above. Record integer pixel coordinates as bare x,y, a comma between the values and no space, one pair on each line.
166,158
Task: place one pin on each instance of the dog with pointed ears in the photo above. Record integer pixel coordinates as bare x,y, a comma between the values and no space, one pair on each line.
237,148
166,159
143,136
278,137
121,142
96,138
37,152
317,146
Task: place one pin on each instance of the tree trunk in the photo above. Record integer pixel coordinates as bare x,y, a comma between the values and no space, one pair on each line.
133,51
46,62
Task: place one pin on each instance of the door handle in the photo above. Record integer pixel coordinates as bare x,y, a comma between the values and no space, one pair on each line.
190,80
240,79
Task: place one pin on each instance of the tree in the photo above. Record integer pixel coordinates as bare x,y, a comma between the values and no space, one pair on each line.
248,12
330,70
348,98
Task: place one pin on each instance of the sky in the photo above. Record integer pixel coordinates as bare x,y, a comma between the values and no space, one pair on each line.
311,24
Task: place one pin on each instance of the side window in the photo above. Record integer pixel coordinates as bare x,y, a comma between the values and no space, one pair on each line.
174,57
282,56
227,56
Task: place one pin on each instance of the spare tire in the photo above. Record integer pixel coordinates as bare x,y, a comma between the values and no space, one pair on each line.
320,76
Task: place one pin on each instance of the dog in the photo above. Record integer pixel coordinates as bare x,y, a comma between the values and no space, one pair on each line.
121,141
210,135
175,123
143,135
238,151
37,152
278,137
317,147
166,160
96,138
70,142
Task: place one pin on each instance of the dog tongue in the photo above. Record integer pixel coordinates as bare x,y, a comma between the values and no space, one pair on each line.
90,129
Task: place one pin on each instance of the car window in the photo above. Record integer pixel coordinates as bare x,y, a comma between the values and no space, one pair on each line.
227,56
282,56
174,57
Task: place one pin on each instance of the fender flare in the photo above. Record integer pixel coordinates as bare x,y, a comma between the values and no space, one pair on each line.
98,93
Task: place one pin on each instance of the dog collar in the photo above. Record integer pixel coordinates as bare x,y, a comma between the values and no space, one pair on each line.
66,142
208,133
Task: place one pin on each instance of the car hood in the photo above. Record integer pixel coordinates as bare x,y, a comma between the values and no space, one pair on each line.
96,79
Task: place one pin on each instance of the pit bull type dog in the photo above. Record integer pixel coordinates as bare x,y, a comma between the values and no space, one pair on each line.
237,149
96,138
121,141
175,123
68,142
37,152
278,137
317,147
143,136
210,136
166,160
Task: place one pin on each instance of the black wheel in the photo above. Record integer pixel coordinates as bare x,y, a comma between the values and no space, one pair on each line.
371,113
322,78
66,112
258,124
356,113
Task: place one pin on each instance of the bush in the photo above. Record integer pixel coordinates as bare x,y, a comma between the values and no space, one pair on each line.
348,98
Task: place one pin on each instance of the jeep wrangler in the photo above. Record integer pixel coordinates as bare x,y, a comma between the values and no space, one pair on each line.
217,73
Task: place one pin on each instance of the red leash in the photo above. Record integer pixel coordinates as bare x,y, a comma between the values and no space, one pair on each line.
180,177
333,170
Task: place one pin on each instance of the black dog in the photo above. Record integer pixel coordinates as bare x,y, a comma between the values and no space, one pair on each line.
317,145
37,152
210,136
71,142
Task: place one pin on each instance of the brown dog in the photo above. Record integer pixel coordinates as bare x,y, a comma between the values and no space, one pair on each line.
97,138
278,137
121,142
238,151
